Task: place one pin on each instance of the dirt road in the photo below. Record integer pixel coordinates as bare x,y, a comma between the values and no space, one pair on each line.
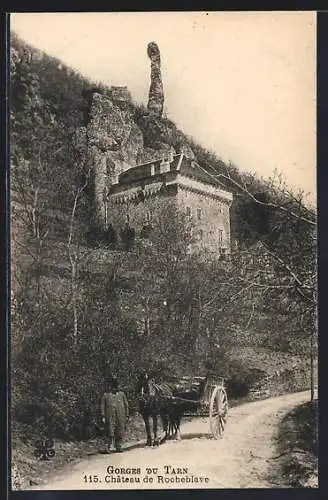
244,458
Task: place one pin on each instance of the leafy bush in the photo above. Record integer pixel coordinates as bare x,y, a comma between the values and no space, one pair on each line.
241,381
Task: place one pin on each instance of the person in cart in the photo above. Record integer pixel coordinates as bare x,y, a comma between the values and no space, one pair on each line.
115,414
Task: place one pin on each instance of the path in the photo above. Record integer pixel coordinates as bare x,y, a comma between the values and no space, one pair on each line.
242,459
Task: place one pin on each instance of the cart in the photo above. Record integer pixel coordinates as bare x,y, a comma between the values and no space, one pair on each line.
204,397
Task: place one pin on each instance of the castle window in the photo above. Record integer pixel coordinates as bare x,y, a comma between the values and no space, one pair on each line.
223,253
146,231
200,234
164,166
220,238
188,211
110,168
199,213
147,217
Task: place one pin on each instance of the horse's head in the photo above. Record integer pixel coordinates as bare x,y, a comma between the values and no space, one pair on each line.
142,383
145,385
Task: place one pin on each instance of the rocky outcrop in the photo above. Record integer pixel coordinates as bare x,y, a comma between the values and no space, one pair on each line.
158,138
150,154
156,92
120,95
114,141
186,150
162,135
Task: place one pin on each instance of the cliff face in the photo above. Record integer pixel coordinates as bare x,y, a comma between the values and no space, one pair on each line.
113,140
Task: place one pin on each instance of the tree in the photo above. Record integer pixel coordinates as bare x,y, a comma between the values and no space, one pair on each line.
285,270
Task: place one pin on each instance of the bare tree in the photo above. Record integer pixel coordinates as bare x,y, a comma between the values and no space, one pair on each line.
284,264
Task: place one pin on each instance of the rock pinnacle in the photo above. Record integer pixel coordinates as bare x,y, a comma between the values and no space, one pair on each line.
156,92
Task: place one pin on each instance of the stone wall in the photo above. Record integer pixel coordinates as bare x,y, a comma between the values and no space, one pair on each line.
137,214
209,215
214,215
283,381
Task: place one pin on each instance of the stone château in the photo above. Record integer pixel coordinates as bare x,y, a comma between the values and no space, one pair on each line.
144,190
134,179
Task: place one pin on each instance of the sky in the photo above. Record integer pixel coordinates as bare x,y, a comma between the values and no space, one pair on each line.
242,84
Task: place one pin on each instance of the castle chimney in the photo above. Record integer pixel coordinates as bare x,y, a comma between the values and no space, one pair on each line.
164,165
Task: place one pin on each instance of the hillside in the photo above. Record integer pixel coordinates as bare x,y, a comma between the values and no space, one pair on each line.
81,306
49,100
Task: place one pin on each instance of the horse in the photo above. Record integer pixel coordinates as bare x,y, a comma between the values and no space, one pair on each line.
155,401
174,416
186,397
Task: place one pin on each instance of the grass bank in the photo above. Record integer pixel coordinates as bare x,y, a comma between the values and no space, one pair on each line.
297,447
28,470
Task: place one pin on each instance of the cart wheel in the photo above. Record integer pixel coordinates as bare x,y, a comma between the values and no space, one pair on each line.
218,411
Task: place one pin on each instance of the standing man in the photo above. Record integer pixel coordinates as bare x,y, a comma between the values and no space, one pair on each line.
115,414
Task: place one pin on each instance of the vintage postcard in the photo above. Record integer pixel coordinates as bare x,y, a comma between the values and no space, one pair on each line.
163,250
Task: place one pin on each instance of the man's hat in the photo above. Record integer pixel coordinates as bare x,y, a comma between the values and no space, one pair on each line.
112,382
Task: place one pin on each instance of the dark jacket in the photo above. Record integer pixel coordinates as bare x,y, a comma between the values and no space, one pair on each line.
115,409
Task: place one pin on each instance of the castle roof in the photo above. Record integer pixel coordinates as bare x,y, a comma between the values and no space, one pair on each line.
175,162
171,170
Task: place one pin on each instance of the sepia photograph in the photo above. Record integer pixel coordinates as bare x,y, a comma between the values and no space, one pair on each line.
163,240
